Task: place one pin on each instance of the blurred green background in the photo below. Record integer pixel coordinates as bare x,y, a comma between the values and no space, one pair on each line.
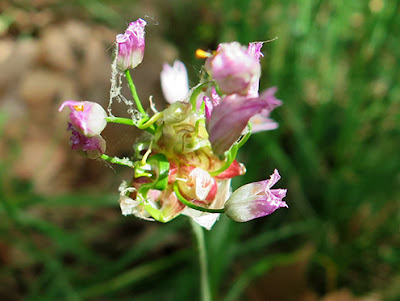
336,65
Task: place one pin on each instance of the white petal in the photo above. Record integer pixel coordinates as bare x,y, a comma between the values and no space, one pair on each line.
204,219
175,82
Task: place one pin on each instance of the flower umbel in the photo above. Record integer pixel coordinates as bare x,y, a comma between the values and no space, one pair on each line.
185,162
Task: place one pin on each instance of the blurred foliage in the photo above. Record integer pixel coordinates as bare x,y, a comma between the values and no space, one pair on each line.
336,65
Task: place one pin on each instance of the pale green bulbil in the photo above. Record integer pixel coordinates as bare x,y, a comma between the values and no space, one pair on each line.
177,112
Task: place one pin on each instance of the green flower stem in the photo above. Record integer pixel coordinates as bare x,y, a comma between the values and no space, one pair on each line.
134,93
197,126
204,281
120,120
116,160
150,128
247,136
231,154
218,91
230,157
196,92
148,123
191,205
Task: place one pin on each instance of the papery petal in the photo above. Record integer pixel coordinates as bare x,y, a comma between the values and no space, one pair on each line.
253,208
255,200
256,188
91,147
234,170
229,118
269,97
202,181
254,49
129,203
211,100
198,186
261,122
273,179
128,206
175,82
171,207
233,68
278,193
205,219
86,116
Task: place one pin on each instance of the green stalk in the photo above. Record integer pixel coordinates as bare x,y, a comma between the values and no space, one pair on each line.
120,120
149,122
196,92
204,281
231,154
147,125
134,93
116,160
247,136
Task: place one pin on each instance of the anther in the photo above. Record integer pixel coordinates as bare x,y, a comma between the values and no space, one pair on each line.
79,108
201,54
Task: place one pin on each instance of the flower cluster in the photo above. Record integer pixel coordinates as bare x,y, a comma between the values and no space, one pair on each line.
185,162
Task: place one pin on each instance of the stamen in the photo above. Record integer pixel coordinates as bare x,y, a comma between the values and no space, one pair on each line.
201,54
146,155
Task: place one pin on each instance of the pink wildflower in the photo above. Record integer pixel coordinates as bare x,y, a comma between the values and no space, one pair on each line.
233,68
131,45
255,200
87,117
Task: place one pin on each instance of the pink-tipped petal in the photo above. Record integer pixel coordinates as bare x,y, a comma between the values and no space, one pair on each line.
255,200
131,45
86,116
231,116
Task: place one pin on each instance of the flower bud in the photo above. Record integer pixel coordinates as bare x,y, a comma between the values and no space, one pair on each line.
174,82
131,46
255,200
234,68
87,117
